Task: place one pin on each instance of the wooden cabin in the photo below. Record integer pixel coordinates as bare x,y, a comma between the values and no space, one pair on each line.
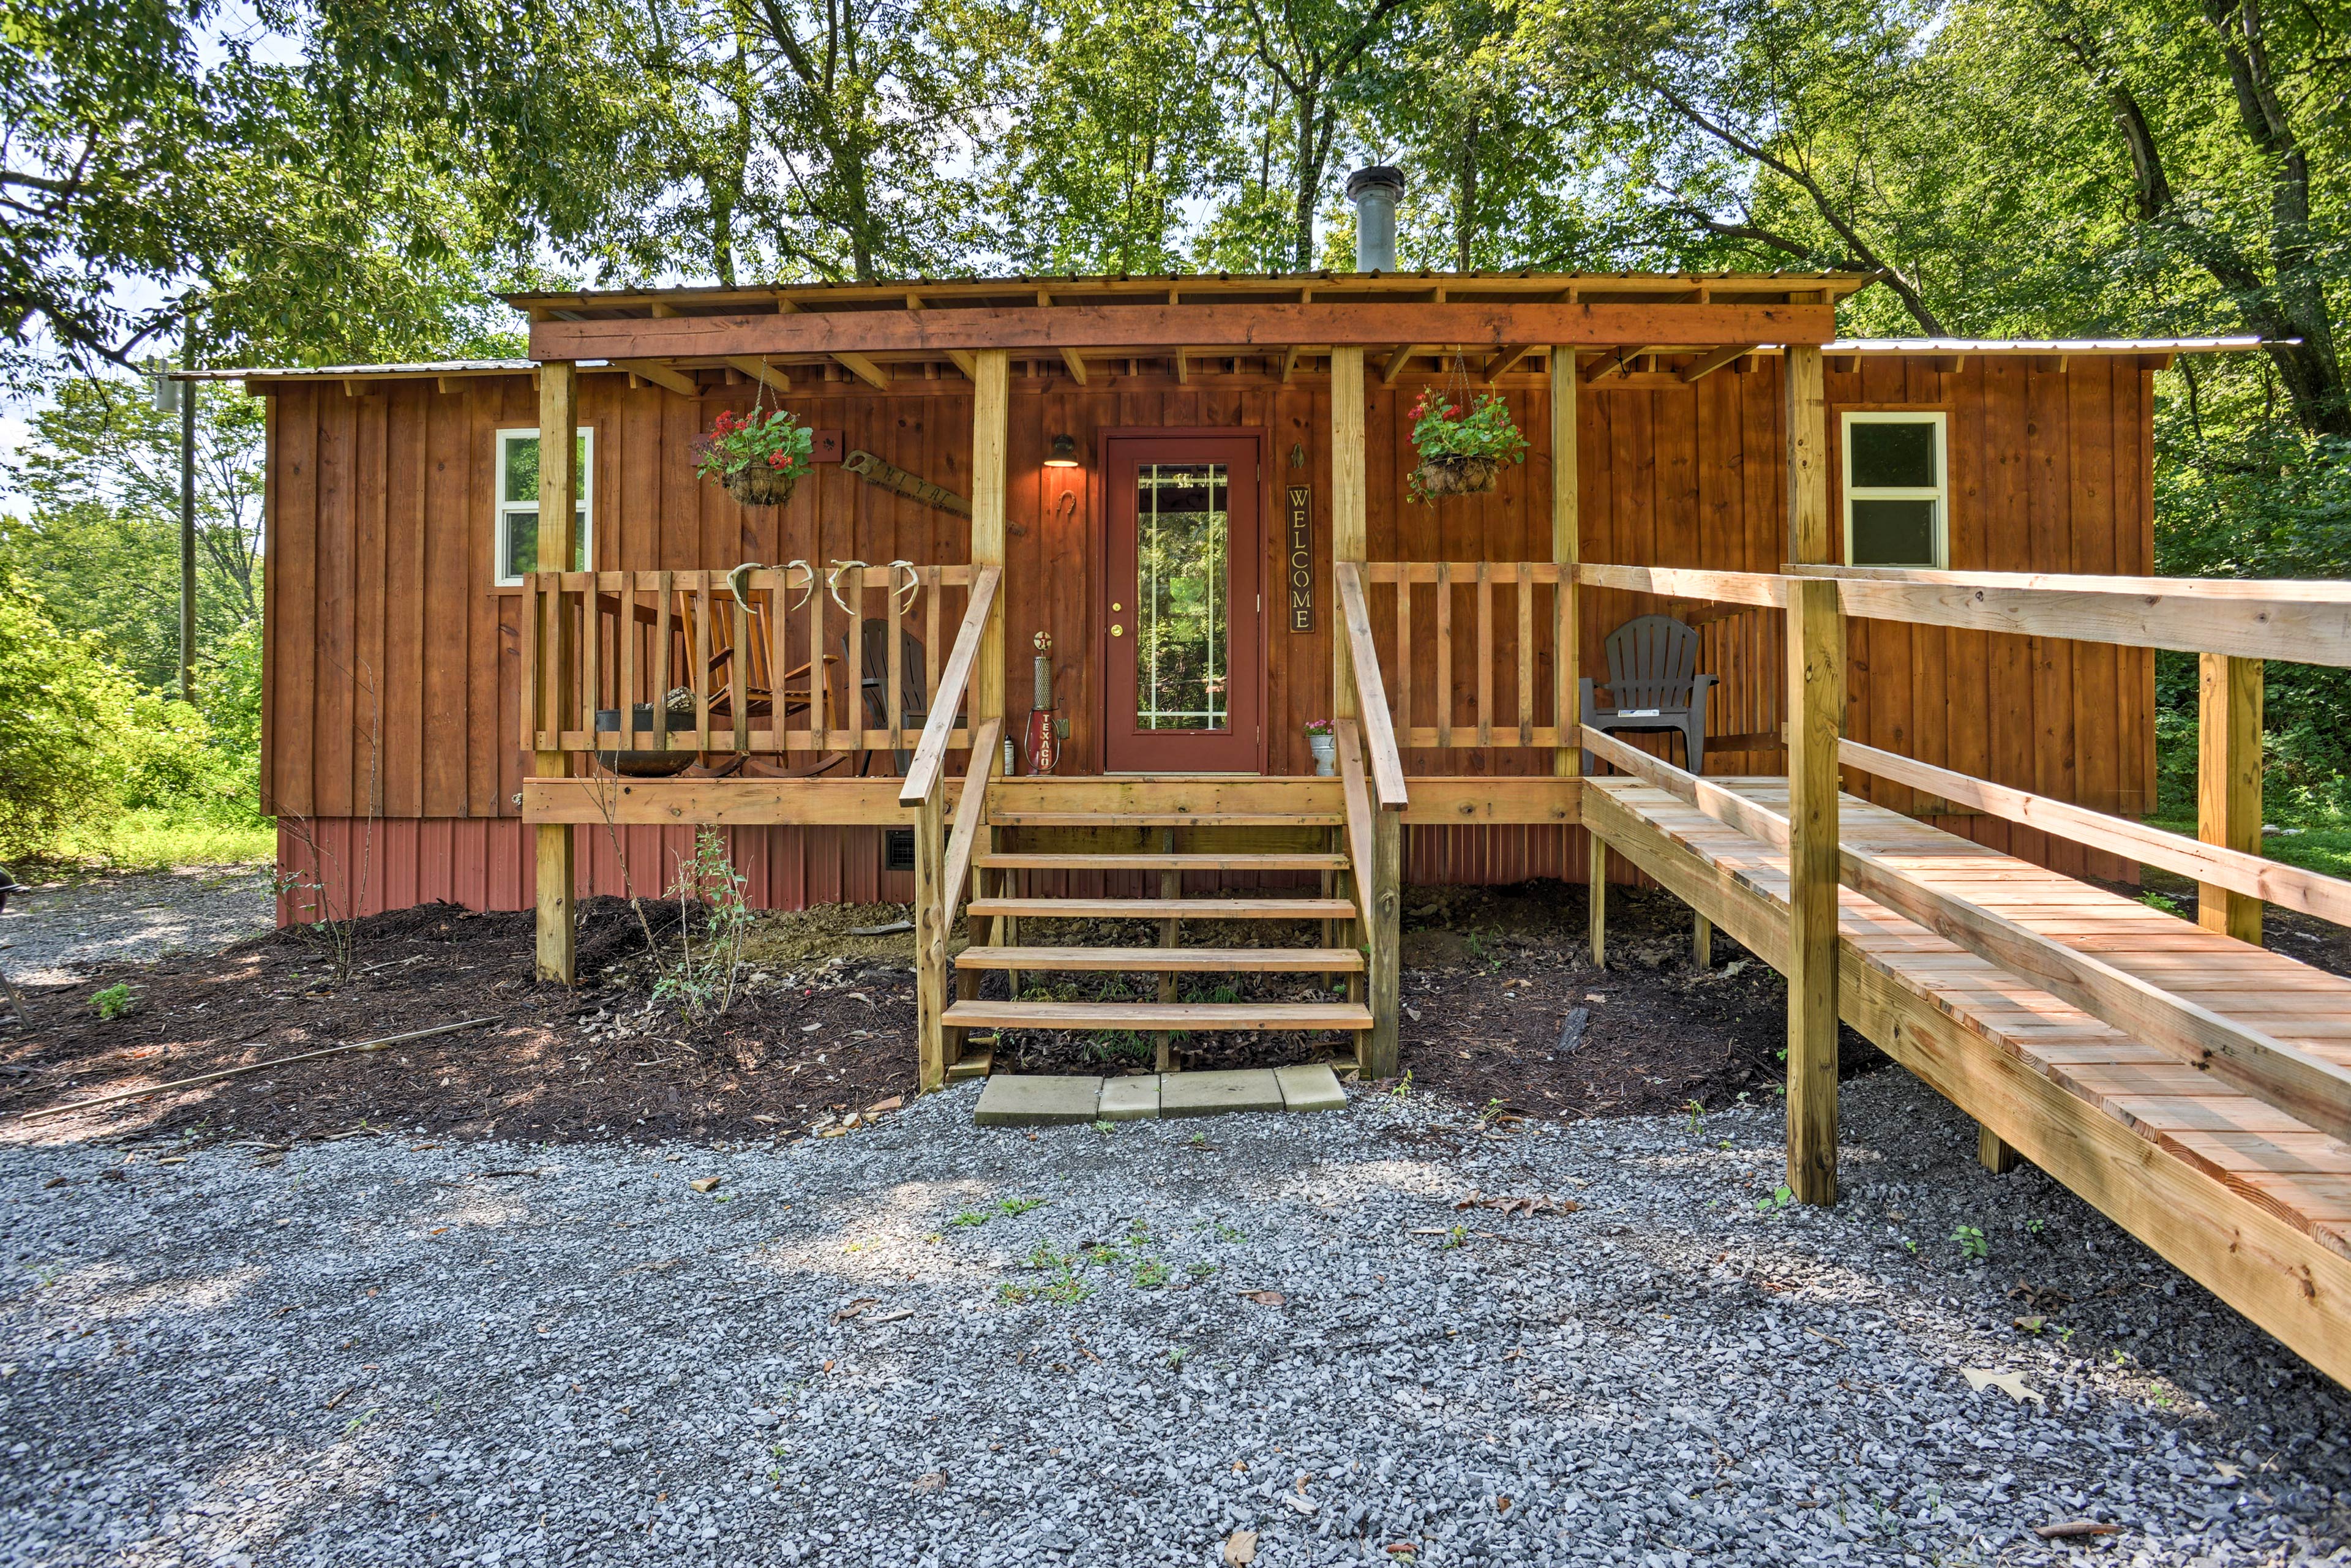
1909,581
397,626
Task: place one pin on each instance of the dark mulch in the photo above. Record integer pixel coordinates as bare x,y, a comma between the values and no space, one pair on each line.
1490,976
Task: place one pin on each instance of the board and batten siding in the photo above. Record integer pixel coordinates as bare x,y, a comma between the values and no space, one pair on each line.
390,745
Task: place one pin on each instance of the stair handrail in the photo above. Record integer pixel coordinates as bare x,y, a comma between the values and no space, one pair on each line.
1370,691
931,751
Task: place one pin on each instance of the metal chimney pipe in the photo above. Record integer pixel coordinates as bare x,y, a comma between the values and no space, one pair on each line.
1375,192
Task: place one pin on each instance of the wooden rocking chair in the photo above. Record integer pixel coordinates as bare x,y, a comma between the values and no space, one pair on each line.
1654,682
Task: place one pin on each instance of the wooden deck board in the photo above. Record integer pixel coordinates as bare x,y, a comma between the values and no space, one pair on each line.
2257,1160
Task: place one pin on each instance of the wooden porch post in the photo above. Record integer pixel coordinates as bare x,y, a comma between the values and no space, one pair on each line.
1567,549
991,406
2228,784
1350,531
558,489
1816,709
1380,883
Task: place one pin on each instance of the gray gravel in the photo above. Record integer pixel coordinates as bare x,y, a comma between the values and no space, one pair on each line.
53,935
363,1352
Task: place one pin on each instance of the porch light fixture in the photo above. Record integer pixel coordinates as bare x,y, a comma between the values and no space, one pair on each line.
1064,454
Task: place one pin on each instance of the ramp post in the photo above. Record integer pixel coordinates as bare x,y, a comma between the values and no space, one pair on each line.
1815,715
2228,784
559,491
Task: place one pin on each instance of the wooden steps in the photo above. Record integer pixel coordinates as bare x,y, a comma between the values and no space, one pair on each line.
1235,861
1150,1016
1163,960
1164,908
1165,819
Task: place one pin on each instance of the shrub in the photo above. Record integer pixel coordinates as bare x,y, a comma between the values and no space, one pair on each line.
62,707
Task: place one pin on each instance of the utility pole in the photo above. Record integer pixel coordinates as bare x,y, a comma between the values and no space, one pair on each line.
188,542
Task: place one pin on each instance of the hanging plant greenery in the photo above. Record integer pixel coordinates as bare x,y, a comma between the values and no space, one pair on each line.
758,456
1461,454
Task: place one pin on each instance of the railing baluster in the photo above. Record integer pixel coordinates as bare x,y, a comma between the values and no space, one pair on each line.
897,666
703,614
1403,657
854,705
528,638
592,646
665,585
738,684
626,630
819,687
1526,654
1485,653
780,654
931,656
1444,653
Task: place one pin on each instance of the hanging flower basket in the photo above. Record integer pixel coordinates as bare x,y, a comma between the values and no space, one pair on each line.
1461,454
1452,475
757,456
760,485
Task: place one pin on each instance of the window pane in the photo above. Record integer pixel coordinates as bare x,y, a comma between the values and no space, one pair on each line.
522,468
1893,456
1893,533
522,543
1182,664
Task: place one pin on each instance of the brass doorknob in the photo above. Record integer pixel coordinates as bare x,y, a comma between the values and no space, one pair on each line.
1117,631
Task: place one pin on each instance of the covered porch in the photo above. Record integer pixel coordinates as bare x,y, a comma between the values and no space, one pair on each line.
827,692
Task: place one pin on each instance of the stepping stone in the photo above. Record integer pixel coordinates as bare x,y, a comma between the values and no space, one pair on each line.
1211,1093
1310,1086
1017,1100
1132,1099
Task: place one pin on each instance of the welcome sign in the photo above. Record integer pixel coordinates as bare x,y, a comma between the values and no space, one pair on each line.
1301,565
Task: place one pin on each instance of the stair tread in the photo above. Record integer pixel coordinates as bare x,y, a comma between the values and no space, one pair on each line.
1169,908
1165,818
1159,1015
1016,860
1309,960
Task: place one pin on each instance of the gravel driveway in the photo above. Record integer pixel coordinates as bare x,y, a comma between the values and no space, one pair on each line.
49,936
929,1344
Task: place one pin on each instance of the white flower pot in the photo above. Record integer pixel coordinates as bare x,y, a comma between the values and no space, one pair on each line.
1325,748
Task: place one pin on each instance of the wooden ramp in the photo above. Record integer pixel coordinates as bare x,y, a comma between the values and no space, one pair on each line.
2252,1203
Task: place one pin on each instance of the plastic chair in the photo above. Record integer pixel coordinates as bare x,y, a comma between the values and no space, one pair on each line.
1654,682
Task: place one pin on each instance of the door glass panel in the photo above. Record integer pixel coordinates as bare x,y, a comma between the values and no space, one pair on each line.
1182,664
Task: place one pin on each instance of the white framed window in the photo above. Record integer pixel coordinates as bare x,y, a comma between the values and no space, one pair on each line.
1897,499
518,496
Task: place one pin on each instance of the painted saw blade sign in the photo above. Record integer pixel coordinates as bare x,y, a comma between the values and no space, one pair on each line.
890,476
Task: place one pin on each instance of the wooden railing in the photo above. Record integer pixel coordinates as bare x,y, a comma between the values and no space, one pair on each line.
761,659
1374,826
942,863
1514,725
2234,625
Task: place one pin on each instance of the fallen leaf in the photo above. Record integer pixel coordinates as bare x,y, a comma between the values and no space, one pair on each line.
901,1316
57,1181
852,1310
2033,1324
830,1131
703,1184
1299,1504
828,1367
1264,1298
2008,1382
1501,1505
936,1481
420,1148
2228,1475
1589,997
878,1106
437,1231
2073,1527
1240,1548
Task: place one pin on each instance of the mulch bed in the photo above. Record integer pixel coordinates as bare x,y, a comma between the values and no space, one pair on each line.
1491,975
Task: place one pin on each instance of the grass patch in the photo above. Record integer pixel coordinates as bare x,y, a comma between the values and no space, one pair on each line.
150,839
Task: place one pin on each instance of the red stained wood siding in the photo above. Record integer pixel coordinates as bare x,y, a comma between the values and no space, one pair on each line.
390,687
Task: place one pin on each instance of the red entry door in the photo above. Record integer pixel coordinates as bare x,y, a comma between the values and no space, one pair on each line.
1181,614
